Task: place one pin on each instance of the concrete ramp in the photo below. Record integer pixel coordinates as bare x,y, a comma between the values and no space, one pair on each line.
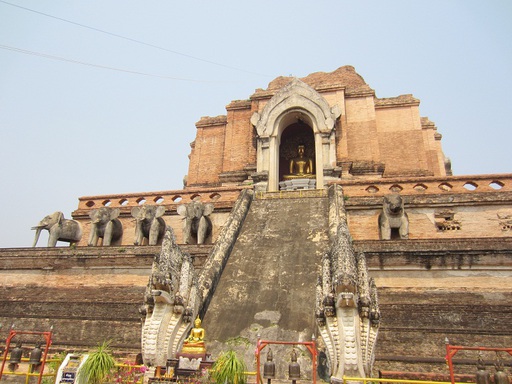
268,284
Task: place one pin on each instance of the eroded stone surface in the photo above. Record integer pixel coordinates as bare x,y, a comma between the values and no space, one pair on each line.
268,285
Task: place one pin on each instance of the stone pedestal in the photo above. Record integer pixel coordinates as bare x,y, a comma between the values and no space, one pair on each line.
296,184
183,366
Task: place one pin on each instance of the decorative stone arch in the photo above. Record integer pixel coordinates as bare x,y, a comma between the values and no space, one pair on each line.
296,100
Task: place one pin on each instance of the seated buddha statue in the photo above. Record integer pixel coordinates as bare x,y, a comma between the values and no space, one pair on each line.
301,167
194,343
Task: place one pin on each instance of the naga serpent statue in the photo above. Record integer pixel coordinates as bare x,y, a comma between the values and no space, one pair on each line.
347,308
171,302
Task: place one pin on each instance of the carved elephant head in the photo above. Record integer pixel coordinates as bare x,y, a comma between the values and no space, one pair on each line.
106,225
393,218
197,224
149,223
393,203
60,229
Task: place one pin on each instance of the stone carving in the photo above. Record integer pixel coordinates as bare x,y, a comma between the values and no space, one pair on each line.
505,219
448,166
105,225
175,295
191,364
171,300
445,220
318,114
197,224
393,216
295,94
347,308
149,223
60,229
296,184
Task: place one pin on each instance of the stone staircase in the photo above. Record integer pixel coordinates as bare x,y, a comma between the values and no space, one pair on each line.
268,285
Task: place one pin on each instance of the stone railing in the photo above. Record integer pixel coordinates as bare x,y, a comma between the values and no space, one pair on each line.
167,198
218,195
428,185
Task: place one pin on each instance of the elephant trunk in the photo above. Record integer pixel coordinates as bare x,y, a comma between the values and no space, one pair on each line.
38,232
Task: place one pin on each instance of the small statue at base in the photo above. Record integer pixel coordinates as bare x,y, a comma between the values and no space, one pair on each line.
300,166
194,344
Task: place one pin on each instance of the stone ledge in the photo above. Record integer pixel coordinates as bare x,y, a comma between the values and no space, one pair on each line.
439,254
208,121
434,245
360,92
239,104
399,101
86,257
233,176
426,123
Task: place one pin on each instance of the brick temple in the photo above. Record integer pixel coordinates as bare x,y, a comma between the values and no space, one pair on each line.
449,276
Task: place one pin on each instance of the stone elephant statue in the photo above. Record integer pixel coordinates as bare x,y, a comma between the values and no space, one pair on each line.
60,229
106,225
149,224
197,223
393,216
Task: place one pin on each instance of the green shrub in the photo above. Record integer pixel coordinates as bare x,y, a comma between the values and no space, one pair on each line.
98,365
228,369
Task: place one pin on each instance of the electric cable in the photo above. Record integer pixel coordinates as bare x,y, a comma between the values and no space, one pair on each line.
47,56
131,39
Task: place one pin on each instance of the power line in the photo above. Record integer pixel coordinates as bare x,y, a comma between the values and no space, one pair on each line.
130,39
47,56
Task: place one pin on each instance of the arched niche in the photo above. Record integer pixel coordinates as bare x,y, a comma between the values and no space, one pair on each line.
296,103
298,133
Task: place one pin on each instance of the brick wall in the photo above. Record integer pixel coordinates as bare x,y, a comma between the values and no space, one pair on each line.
387,131
206,158
429,289
88,294
239,143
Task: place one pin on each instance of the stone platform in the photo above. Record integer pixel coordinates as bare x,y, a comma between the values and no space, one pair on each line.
297,184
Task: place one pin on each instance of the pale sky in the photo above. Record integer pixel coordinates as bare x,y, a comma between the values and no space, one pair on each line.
102,97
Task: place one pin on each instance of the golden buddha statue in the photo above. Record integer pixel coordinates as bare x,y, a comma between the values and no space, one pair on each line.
194,343
301,167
